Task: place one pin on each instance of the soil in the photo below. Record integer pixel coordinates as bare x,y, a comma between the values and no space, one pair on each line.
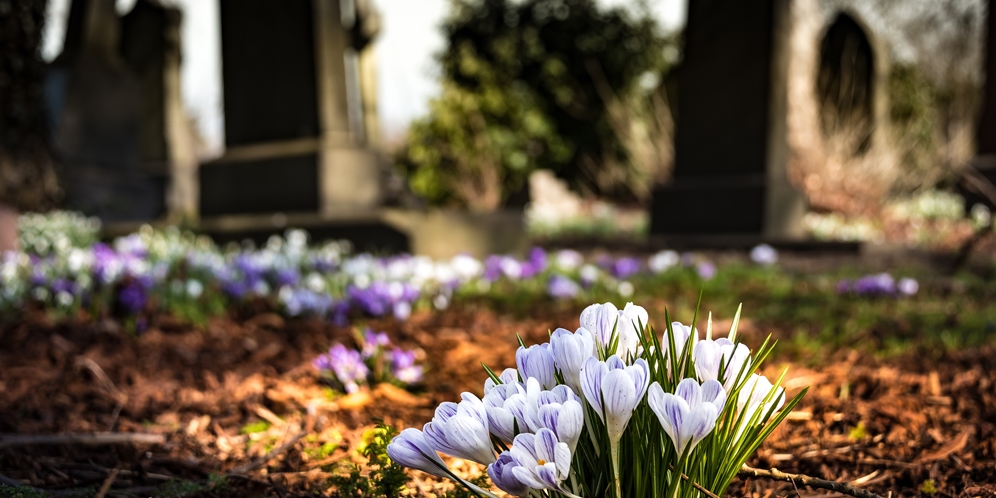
904,426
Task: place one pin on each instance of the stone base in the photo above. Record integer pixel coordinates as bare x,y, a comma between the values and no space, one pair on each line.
708,207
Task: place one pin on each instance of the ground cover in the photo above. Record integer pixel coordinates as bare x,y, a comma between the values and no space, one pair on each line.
903,397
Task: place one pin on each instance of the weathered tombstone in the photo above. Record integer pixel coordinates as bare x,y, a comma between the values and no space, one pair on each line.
299,110
973,187
97,105
117,119
751,112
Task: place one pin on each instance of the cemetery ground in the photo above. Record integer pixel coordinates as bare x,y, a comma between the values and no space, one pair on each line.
902,399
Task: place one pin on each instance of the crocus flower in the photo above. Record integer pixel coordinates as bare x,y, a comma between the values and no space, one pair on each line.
373,342
720,360
542,461
570,352
764,254
623,268
461,430
662,261
604,319
706,270
411,450
561,287
346,365
568,260
507,376
537,361
501,474
404,368
754,392
689,414
907,286
558,409
620,387
501,420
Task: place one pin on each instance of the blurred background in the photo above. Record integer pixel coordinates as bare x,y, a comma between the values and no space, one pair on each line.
494,124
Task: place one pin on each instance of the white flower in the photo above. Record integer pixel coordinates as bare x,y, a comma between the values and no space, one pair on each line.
461,430
720,360
570,352
689,414
411,450
614,390
537,361
604,320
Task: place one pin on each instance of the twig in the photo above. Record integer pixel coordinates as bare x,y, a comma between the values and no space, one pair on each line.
694,484
104,488
95,439
269,456
120,397
813,482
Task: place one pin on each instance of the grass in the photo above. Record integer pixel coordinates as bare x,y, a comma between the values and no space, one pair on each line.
803,310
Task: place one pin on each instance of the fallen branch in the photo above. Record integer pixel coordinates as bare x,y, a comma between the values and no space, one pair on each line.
107,484
95,439
269,456
813,482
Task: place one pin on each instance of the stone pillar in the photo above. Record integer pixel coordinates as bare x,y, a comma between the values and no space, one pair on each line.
350,173
730,183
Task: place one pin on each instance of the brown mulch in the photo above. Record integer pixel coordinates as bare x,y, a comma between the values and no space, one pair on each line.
903,425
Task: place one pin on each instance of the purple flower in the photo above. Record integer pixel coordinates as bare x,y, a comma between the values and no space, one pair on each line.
133,297
346,365
561,287
502,475
373,342
404,367
706,270
535,265
624,268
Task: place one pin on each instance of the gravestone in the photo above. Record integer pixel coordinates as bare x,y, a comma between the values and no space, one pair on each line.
299,110
729,176
761,109
113,96
977,191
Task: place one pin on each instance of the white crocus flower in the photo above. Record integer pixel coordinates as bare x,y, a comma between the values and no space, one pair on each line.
537,361
614,390
570,351
604,320
461,430
689,414
720,360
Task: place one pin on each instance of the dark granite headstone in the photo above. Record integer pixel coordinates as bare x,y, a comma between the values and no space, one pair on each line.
721,138
268,70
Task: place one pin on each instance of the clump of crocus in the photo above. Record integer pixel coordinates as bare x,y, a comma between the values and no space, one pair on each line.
377,360
613,410
879,284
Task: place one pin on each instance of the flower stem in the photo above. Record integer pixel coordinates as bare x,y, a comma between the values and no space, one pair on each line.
614,451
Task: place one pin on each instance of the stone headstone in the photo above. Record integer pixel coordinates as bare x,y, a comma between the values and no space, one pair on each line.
298,104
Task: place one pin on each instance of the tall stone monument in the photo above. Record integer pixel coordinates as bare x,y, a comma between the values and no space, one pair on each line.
750,115
300,110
